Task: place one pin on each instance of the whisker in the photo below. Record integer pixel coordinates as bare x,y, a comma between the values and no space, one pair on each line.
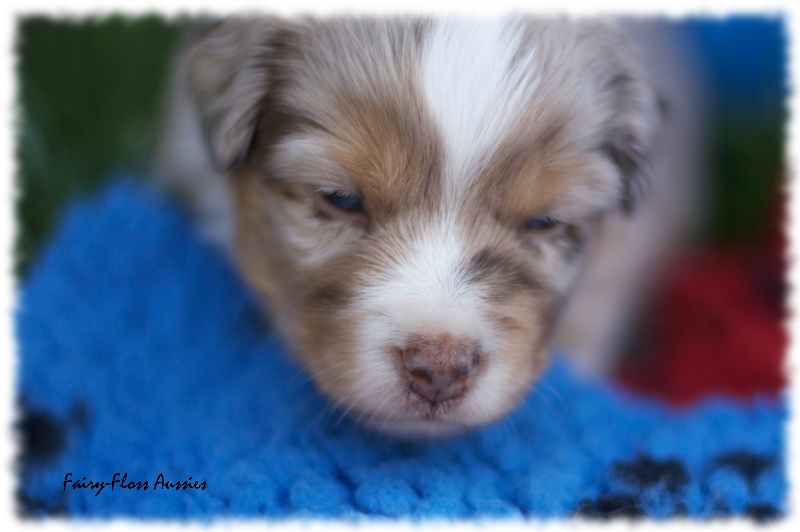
346,411
345,396
311,376
552,390
304,370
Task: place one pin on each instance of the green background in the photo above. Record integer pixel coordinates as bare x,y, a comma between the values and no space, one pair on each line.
90,93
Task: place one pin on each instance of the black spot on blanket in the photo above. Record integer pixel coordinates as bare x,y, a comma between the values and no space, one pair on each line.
632,480
763,513
37,508
42,437
645,472
748,465
606,506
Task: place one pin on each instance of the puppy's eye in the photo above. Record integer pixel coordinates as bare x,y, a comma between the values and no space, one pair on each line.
344,202
541,224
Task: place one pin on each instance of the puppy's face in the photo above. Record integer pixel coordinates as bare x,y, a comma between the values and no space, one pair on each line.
414,197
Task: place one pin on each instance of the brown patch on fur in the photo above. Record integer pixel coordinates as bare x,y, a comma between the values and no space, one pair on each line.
583,129
524,324
355,84
503,274
308,306
572,242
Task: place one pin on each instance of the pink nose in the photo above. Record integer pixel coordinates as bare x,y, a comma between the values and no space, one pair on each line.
439,370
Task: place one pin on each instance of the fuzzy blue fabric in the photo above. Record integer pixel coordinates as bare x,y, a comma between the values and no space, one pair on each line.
142,354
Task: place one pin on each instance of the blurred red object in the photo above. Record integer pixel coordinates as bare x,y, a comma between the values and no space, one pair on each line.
717,327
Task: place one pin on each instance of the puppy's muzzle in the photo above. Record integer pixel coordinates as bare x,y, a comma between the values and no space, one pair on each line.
440,370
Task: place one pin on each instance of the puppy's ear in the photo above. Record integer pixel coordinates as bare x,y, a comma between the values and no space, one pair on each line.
228,75
632,157
634,117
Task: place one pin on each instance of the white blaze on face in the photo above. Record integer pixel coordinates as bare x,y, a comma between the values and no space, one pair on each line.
474,88
423,292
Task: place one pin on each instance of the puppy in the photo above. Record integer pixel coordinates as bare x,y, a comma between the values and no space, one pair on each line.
423,204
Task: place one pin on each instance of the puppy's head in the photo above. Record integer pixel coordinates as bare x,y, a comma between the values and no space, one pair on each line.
414,196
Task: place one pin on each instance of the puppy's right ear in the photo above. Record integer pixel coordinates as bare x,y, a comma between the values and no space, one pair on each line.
228,75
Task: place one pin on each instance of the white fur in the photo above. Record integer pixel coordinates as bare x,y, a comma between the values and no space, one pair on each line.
473,93
420,294
423,291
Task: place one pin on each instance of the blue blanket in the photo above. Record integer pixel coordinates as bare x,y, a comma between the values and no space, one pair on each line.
149,386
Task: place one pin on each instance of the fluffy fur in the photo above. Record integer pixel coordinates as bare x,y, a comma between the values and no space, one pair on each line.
455,134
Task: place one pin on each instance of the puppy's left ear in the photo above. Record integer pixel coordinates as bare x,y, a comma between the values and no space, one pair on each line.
634,116
229,74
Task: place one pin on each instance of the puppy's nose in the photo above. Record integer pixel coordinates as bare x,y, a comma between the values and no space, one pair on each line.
439,370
